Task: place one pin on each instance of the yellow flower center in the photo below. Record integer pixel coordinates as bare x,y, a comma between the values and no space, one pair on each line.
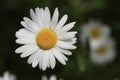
101,50
95,33
46,39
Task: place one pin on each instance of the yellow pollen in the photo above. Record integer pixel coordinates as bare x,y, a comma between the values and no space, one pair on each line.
95,33
46,39
102,50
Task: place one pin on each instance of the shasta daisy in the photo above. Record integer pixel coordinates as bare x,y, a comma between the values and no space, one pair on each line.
104,53
44,38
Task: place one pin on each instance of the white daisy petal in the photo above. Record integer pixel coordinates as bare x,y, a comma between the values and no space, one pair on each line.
68,35
67,27
23,33
65,45
21,49
31,58
35,18
39,15
27,27
47,17
58,55
31,24
45,60
41,60
61,23
64,51
48,65
25,41
64,57
43,17
71,41
52,60
29,51
54,18
37,58
33,15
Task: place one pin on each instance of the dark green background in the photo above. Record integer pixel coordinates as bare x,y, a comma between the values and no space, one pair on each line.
78,66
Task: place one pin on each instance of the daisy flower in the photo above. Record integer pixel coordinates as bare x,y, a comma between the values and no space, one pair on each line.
94,31
45,38
104,53
52,77
7,76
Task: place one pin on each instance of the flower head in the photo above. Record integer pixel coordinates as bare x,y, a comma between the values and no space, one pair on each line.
45,38
95,32
7,76
104,53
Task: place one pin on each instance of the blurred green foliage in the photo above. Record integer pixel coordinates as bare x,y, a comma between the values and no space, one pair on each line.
78,67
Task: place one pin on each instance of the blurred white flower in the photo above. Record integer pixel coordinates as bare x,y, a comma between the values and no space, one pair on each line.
104,53
52,77
7,76
94,32
45,38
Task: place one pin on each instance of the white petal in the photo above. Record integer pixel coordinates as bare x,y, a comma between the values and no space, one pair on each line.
61,23
47,17
52,60
71,41
33,15
37,58
54,18
22,48
64,51
45,61
32,49
67,27
39,15
64,57
57,54
65,45
23,33
68,35
25,41
49,64
35,18
27,27
31,24
31,58
43,17
41,60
